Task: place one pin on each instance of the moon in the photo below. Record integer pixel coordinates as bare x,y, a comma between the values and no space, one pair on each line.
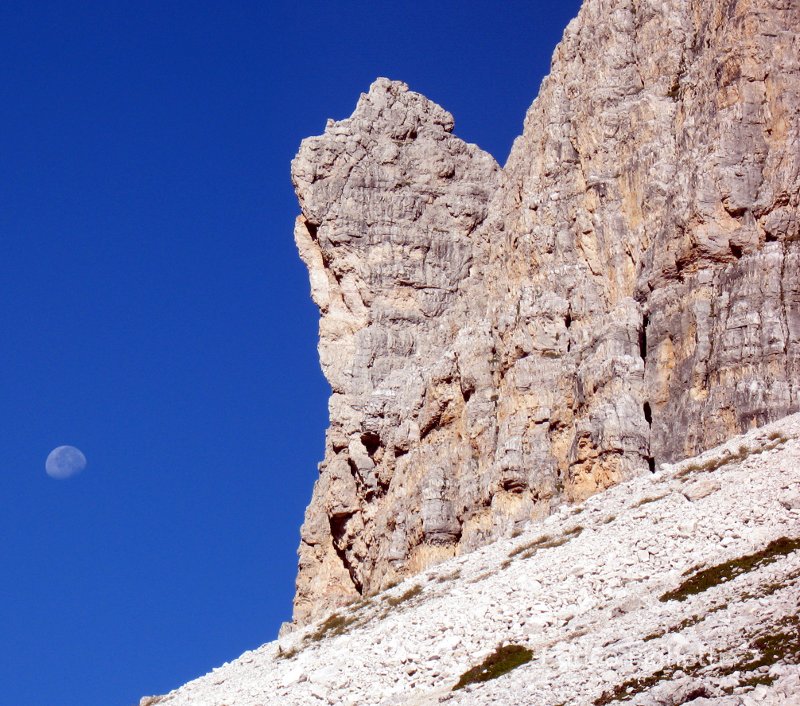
64,461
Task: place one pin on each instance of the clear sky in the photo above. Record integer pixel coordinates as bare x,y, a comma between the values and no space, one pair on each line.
155,315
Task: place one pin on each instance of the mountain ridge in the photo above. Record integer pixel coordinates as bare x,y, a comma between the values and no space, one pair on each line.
562,389
623,293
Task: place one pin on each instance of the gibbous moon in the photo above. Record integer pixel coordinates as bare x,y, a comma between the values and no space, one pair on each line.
64,461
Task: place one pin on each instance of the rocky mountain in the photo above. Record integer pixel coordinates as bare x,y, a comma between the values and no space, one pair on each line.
624,292
670,588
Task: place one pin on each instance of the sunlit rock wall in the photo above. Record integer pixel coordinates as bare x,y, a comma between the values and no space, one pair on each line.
625,291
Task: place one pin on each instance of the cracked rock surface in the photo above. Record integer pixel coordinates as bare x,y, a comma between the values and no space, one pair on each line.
679,587
623,292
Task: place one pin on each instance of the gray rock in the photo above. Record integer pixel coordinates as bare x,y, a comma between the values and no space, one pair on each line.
700,489
623,293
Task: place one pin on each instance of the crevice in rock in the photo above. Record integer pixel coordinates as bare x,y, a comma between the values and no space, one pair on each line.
567,324
736,250
312,230
513,485
643,338
364,489
371,441
648,417
445,537
338,526
785,322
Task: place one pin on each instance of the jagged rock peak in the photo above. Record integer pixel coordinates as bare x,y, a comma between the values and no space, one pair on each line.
391,203
624,292
385,118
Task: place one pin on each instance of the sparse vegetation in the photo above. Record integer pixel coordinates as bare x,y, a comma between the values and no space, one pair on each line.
403,597
334,624
650,499
714,463
480,577
337,623
778,436
357,603
452,576
752,682
547,542
290,653
779,642
501,661
630,688
727,456
529,545
684,624
390,586
770,588
721,573
527,550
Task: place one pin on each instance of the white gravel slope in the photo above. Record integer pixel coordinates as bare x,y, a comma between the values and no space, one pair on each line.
588,608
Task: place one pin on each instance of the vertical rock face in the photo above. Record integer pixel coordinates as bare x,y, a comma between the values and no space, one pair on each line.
391,205
624,292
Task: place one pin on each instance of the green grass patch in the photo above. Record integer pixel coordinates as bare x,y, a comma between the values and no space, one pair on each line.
772,587
781,643
632,687
500,662
721,573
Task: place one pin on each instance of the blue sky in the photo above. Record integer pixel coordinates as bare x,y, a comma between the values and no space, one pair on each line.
154,312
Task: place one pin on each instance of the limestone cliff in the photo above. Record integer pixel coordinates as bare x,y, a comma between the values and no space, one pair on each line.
625,291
